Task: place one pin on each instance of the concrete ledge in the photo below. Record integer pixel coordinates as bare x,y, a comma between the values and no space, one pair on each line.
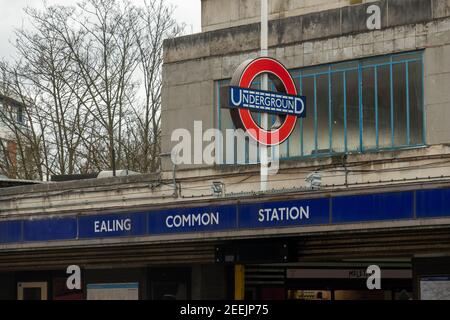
80,184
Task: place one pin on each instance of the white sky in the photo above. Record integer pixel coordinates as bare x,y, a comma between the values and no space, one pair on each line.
187,11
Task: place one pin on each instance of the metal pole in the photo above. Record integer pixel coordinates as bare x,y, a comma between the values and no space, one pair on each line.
264,86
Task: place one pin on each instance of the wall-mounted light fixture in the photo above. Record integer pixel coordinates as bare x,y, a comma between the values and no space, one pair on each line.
218,188
314,180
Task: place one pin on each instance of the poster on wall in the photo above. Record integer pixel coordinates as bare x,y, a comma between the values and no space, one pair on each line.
113,291
435,288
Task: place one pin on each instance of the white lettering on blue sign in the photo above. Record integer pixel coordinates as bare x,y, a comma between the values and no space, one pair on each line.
101,226
283,214
192,220
265,101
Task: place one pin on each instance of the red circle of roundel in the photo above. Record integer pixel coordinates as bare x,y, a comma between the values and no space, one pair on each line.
253,69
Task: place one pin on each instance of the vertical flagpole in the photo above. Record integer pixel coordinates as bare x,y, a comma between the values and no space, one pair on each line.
264,86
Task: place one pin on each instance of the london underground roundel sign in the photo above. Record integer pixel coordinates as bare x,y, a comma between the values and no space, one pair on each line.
285,102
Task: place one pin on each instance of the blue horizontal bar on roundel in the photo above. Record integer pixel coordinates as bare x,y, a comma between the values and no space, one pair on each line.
267,101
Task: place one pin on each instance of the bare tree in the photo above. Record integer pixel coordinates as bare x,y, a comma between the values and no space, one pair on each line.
100,41
155,25
89,79
49,68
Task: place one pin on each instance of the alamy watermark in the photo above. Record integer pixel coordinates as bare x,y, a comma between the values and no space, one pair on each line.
374,277
215,147
74,280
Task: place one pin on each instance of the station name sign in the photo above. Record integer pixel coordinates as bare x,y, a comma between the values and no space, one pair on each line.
268,102
407,205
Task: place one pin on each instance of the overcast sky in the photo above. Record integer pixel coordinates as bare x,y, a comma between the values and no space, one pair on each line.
187,11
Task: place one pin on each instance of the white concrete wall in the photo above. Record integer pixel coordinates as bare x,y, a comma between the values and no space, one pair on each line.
219,14
437,93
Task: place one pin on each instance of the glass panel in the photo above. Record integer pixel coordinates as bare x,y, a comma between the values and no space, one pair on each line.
225,123
323,132
376,61
416,102
308,122
337,88
294,139
407,56
369,115
384,107
352,111
284,149
273,120
345,66
399,79
20,118
314,70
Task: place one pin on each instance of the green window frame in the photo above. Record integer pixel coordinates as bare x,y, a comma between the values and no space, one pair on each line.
359,106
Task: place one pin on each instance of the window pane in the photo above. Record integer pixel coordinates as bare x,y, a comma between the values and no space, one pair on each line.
314,70
323,132
371,62
308,122
337,89
352,111
416,102
369,114
226,124
384,107
294,139
399,79
407,56
345,66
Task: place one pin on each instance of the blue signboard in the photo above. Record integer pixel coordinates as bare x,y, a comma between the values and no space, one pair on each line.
373,207
266,101
323,211
285,213
193,219
433,203
113,225
10,231
50,229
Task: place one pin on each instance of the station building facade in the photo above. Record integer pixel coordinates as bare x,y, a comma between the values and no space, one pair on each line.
375,76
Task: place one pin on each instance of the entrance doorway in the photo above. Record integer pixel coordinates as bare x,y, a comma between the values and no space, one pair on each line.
340,280
32,291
